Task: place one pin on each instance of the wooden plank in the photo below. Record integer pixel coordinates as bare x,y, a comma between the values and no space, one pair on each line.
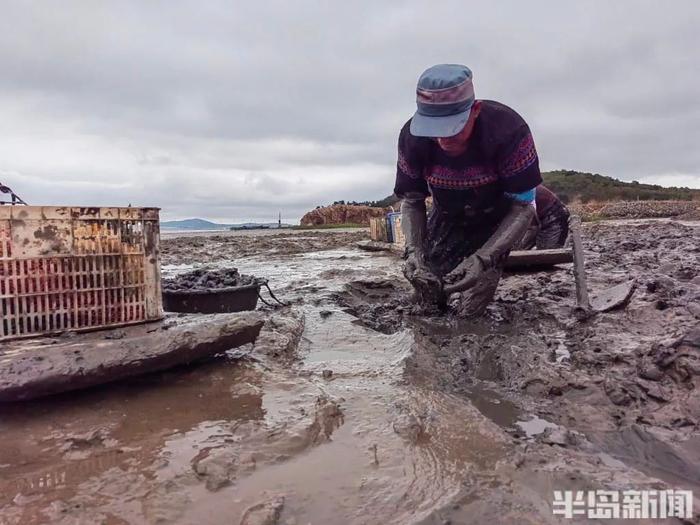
91,359
528,258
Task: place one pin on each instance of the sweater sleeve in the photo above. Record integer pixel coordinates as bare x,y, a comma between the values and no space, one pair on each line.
409,167
518,165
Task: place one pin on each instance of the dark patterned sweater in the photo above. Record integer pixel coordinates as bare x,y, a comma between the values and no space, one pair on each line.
500,159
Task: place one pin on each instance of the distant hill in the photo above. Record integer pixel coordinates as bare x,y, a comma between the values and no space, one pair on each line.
193,224
586,187
202,224
575,185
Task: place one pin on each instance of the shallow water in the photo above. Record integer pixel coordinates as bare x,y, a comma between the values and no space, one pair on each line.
385,452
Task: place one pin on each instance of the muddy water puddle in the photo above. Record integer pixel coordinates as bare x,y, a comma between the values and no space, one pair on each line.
350,411
337,436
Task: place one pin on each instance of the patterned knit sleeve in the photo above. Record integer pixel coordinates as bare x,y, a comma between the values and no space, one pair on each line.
518,165
409,167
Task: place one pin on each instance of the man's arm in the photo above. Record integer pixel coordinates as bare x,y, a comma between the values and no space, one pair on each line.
530,235
414,222
519,172
412,188
524,196
494,251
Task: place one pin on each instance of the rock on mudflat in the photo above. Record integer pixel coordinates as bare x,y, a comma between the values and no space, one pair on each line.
39,367
217,467
266,512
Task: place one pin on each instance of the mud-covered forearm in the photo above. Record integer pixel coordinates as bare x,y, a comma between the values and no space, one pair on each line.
427,285
508,234
489,258
414,222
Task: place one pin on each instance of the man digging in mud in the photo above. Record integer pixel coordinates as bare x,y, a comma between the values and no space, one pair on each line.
477,159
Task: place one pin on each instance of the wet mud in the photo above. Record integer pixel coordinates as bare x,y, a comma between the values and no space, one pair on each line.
620,385
352,409
228,246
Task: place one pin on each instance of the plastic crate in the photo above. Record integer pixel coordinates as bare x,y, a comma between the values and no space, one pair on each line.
378,229
396,233
77,269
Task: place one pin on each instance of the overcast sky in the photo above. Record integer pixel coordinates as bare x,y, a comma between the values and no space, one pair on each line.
236,110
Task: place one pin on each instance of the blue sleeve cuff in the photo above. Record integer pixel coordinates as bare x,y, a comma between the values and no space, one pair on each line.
525,196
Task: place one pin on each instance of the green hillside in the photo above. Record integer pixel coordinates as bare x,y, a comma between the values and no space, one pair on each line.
570,185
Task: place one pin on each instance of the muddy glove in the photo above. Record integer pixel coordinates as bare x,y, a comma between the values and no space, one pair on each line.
413,224
488,258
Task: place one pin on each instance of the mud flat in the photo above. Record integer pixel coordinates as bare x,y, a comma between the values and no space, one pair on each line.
685,210
351,409
621,386
188,248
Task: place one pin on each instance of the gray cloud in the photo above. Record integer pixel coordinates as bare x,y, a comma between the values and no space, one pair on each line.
237,110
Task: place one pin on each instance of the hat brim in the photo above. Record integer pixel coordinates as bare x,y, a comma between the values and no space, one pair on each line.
438,127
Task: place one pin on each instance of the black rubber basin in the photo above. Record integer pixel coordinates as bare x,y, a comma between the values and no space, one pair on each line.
214,301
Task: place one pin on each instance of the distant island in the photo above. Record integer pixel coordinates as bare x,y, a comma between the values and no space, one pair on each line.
205,225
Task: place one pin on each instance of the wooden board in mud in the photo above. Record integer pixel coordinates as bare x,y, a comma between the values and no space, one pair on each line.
517,259
30,369
538,258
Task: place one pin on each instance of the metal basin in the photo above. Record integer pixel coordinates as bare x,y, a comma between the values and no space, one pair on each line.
213,301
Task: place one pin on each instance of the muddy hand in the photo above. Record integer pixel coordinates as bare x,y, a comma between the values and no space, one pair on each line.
464,276
473,301
427,285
